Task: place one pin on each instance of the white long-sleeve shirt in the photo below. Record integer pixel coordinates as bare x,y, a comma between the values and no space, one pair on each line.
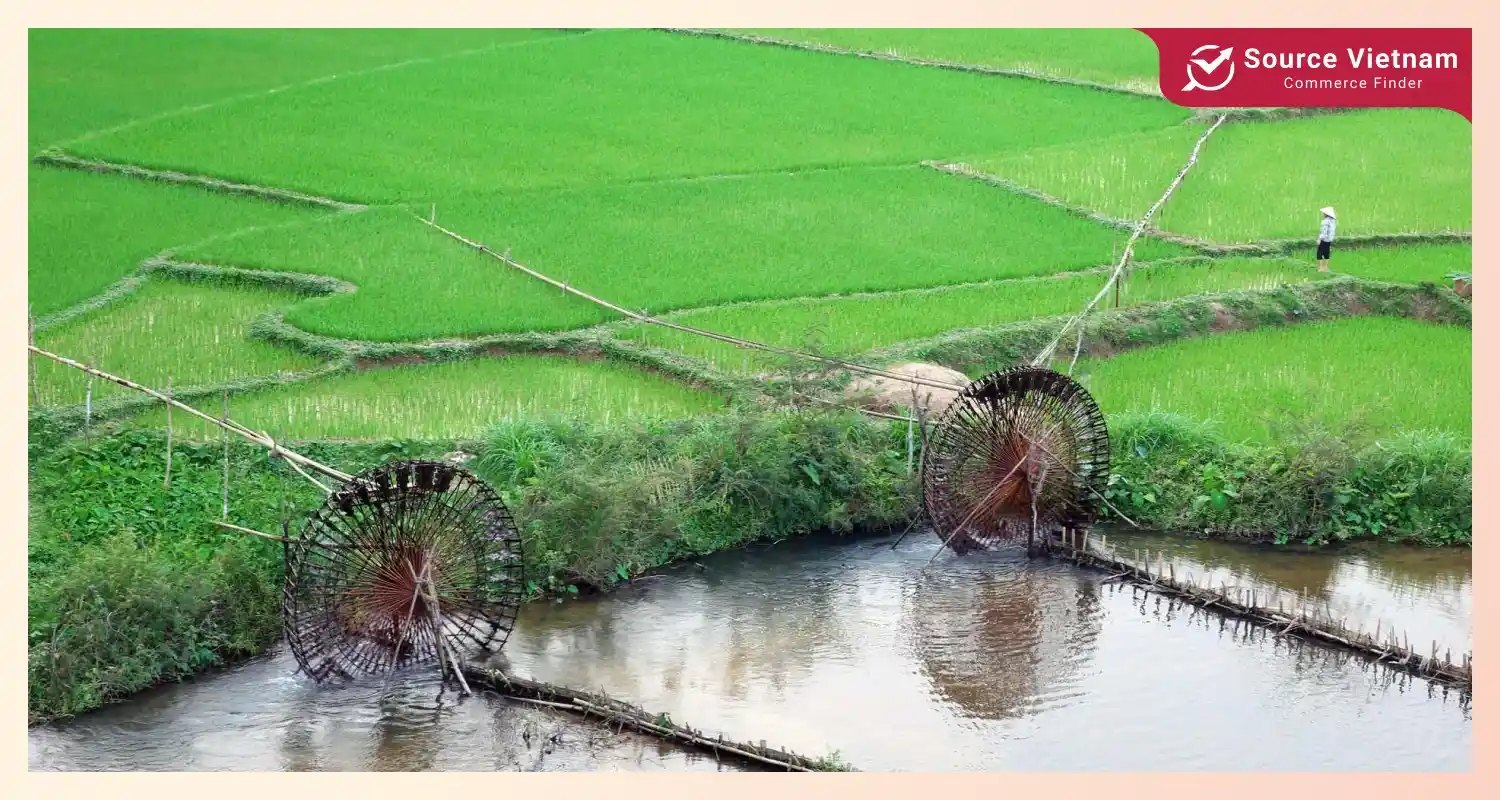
1325,233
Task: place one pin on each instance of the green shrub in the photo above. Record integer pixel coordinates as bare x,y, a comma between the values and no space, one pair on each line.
600,504
121,616
1314,485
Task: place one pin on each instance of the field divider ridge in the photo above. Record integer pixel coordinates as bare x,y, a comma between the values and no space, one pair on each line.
186,271
1139,89
1113,331
980,69
920,291
1264,248
63,160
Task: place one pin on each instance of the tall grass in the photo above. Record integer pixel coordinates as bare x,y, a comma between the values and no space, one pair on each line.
1385,375
613,106
852,325
85,80
86,231
1386,171
1112,56
673,245
453,400
192,333
1401,263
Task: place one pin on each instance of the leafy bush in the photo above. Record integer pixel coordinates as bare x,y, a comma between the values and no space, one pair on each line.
1313,485
601,504
121,616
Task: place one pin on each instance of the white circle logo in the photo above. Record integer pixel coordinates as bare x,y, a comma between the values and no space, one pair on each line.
1207,67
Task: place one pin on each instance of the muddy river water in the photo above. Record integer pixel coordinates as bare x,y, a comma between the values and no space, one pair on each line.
988,662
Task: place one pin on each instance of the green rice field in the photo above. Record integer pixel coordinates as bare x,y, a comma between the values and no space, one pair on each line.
1389,374
673,245
849,326
192,334
86,231
614,106
1110,56
77,86
1385,171
1402,263
454,399
765,192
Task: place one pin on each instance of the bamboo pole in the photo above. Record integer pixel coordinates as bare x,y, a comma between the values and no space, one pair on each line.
910,430
88,410
234,427
622,715
436,621
166,483
225,419
251,532
36,389
637,316
1140,229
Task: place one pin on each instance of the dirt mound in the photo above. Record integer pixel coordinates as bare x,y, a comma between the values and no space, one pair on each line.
892,394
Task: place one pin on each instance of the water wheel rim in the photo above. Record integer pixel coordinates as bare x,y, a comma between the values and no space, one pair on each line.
981,460
401,561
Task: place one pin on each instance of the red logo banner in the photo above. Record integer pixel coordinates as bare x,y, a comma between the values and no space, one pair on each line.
1316,67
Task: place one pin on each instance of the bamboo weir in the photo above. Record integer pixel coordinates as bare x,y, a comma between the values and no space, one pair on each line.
1389,648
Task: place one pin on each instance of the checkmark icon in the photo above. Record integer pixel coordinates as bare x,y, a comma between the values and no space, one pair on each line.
1209,66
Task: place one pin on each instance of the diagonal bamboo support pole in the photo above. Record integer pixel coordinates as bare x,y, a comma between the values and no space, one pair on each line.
296,459
640,317
1129,251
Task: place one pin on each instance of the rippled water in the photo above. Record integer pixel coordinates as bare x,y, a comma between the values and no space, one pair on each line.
989,662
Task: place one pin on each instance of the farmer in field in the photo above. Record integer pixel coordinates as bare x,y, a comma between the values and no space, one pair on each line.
1325,237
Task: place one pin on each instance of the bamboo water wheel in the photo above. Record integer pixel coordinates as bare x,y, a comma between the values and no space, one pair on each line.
1019,453
410,562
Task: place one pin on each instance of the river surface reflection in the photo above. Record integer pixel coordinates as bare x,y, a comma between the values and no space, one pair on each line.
989,662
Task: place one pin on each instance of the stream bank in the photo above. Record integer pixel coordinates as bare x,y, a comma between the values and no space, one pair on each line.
599,506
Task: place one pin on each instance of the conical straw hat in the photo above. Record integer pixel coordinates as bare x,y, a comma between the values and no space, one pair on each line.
1328,211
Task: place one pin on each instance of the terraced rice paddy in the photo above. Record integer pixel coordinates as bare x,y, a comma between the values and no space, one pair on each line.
1386,171
853,325
614,106
1110,56
673,245
455,399
767,192
1390,374
86,231
193,334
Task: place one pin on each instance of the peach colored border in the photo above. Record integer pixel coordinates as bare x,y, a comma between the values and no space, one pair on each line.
766,13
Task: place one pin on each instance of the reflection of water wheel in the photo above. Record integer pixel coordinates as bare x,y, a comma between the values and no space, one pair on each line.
1020,447
410,562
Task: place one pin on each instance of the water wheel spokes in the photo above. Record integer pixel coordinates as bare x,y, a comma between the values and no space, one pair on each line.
408,563
1020,452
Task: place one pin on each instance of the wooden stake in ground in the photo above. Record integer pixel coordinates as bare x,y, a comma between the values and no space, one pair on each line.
166,483
88,410
911,430
36,392
225,419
